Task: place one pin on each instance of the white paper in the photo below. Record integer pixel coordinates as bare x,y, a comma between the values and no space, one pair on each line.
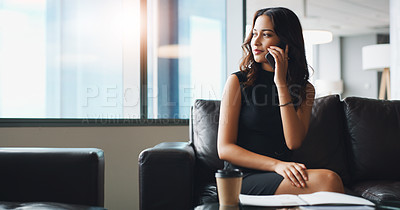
271,200
334,198
318,198
336,208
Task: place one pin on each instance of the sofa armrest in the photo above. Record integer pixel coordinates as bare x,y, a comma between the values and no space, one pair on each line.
64,175
166,176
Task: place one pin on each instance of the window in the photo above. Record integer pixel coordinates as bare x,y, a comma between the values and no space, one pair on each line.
186,55
69,59
82,59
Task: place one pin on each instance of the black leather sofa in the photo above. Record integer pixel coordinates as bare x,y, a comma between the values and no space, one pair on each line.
51,178
358,138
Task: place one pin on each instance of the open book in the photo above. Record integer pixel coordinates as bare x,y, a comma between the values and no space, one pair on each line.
318,198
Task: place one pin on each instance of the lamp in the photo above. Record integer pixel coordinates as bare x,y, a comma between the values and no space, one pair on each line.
317,36
377,57
328,87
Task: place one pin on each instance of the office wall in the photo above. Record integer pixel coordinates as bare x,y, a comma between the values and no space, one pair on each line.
329,60
121,146
357,82
342,59
395,48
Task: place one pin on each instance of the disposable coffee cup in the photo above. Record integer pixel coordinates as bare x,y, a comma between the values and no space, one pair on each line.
229,184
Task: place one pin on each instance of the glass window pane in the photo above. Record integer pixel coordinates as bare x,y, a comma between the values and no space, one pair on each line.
69,59
186,54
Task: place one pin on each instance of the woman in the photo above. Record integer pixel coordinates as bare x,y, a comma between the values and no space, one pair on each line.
265,111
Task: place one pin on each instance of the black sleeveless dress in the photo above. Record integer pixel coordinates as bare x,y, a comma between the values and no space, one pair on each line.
260,130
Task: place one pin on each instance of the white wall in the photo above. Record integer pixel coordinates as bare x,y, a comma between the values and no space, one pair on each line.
327,67
395,49
121,146
329,60
357,82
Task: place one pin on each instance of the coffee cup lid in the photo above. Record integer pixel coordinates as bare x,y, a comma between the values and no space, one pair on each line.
228,173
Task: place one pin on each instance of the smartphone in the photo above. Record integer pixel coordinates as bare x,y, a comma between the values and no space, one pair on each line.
270,58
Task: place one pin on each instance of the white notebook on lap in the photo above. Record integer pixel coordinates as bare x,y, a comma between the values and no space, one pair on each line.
318,198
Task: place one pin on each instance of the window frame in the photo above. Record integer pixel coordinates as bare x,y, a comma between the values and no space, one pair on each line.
102,122
105,122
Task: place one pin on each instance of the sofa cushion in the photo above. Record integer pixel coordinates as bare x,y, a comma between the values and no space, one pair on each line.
324,146
205,117
374,135
378,191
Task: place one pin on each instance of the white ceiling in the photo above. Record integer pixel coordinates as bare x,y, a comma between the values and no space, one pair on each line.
341,17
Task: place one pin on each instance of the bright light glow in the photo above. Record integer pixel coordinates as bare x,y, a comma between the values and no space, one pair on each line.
317,36
22,61
69,59
131,57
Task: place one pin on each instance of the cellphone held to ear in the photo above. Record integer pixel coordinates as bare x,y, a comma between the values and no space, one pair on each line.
270,58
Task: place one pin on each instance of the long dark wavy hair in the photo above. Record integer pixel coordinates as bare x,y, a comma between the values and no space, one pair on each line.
288,28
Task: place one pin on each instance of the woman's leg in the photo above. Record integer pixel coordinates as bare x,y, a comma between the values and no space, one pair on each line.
318,180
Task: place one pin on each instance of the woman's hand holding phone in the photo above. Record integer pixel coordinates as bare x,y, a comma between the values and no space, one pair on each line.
281,63
269,56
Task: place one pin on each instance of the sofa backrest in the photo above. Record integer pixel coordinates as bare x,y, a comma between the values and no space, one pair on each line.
203,136
374,135
65,175
324,145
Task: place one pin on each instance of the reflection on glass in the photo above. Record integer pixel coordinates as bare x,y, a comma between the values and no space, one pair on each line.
186,55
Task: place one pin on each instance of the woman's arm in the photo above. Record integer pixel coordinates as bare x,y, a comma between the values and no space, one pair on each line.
295,123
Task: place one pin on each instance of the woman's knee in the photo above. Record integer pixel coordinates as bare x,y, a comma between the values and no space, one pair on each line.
331,175
329,180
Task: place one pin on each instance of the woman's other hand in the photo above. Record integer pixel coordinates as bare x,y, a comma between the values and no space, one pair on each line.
295,172
281,63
